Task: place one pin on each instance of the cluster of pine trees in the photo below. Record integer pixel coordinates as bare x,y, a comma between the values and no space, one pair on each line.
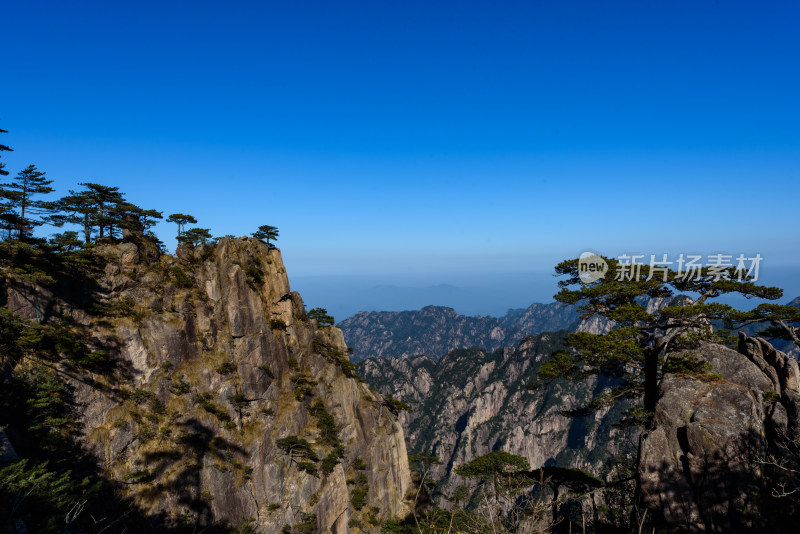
100,211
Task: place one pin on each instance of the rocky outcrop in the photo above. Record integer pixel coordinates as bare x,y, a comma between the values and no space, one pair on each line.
215,363
472,402
434,331
705,466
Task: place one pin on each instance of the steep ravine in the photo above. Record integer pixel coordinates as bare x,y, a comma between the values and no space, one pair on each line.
472,402
215,363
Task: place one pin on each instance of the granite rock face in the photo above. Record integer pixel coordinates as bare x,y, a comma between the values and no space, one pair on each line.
472,402
702,467
434,331
216,361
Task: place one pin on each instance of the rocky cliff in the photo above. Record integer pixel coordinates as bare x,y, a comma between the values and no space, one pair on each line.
723,456
434,331
472,402
217,373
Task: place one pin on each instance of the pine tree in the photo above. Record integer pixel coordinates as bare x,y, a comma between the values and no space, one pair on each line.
20,198
181,219
266,232
3,148
195,236
92,207
78,209
104,198
631,353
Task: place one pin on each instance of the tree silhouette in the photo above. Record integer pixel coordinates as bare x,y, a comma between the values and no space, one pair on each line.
266,232
19,195
321,316
632,352
195,236
181,219
4,148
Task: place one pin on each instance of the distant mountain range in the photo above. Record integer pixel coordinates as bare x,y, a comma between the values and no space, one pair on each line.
433,331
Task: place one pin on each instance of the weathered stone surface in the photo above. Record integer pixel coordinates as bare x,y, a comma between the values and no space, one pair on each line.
223,322
472,402
701,466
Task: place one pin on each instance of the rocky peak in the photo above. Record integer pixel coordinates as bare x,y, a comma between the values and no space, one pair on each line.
216,363
705,466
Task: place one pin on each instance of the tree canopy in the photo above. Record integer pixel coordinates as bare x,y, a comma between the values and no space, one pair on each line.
4,148
267,233
181,219
321,316
21,204
632,352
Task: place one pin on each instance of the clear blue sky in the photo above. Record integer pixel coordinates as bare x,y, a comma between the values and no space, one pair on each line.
424,142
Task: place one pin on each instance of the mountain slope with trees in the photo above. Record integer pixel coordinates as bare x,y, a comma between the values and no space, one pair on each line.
146,392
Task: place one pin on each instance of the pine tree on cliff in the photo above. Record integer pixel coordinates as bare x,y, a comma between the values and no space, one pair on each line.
266,232
77,208
20,199
632,352
132,217
6,215
181,219
92,207
4,148
195,236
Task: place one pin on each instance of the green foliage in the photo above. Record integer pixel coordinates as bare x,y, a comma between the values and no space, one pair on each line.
277,324
359,464
329,462
689,364
20,207
267,233
4,148
297,447
560,364
307,525
423,461
226,368
181,219
208,405
180,387
396,406
770,397
630,353
181,278
303,385
38,397
335,356
50,342
321,316
239,400
293,364
137,396
43,497
358,497
123,307
97,206
137,476
254,276
308,467
326,424
492,465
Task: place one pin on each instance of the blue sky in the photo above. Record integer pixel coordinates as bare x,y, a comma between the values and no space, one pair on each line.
414,144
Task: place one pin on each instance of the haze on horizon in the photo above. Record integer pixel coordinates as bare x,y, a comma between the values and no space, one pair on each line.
460,149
